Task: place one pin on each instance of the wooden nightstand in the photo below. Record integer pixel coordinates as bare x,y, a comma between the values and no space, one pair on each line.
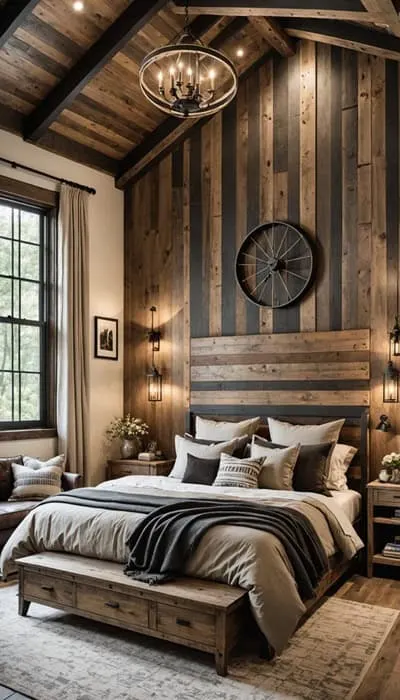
136,467
383,498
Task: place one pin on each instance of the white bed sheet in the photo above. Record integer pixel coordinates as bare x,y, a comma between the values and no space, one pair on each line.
349,501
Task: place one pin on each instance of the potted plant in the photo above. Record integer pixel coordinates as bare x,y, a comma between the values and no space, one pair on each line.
130,431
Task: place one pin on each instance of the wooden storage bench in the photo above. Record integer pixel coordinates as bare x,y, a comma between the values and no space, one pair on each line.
199,614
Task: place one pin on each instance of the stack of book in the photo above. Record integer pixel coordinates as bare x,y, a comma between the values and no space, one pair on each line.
392,549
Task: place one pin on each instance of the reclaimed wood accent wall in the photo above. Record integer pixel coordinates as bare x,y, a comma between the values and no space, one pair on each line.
276,373
313,139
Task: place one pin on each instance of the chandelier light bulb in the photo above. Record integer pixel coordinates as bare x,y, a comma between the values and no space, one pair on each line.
78,6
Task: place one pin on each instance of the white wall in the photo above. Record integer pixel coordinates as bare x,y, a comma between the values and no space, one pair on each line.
106,231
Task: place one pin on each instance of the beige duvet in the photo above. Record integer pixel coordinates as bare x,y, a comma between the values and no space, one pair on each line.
251,559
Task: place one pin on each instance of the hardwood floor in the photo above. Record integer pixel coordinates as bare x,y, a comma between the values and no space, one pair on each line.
383,680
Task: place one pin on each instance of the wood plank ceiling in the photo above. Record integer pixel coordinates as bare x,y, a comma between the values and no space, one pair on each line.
69,80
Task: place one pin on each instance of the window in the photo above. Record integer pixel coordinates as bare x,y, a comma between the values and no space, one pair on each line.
25,310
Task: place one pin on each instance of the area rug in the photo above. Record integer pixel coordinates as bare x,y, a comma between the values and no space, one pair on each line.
51,655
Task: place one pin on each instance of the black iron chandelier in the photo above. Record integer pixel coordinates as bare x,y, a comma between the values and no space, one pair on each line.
187,78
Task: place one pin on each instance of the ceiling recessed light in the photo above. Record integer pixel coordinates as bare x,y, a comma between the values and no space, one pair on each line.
78,6
240,53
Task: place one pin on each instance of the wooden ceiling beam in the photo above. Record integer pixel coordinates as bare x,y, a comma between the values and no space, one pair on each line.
131,21
274,34
348,36
310,9
12,16
387,8
173,130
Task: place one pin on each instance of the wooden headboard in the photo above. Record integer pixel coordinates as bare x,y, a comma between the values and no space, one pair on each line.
298,377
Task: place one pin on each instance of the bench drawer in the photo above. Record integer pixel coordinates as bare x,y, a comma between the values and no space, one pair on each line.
48,588
186,624
115,606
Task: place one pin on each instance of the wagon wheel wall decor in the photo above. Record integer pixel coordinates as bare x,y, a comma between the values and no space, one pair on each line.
275,264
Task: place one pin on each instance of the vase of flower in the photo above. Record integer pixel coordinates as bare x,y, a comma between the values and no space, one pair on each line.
129,431
129,449
390,468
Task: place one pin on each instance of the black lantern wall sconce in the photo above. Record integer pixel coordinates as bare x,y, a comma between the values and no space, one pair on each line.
154,377
391,374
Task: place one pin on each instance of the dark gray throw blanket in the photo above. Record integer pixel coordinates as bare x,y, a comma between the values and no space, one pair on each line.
164,539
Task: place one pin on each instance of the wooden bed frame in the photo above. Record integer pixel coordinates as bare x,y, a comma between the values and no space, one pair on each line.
201,614
355,432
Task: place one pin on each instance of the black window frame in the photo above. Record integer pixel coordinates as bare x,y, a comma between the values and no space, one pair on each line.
46,245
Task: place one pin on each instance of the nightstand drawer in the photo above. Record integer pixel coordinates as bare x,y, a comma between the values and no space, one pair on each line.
386,498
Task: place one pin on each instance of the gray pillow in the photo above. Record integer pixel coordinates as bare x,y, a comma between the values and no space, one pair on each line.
311,470
6,475
200,471
239,451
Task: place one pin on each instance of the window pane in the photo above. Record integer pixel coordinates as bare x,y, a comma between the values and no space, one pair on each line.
5,397
5,220
30,349
5,257
16,286
16,223
5,297
30,301
30,397
30,226
15,269
30,261
5,346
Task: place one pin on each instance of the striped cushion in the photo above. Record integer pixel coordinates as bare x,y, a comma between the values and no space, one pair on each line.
242,473
37,480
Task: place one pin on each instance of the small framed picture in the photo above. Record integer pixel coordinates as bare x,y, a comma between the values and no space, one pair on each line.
106,338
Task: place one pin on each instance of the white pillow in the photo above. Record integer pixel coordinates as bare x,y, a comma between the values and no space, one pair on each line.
340,461
183,447
37,480
237,473
288,434
278,465
207,429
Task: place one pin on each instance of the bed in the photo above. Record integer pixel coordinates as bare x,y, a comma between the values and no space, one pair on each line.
238,556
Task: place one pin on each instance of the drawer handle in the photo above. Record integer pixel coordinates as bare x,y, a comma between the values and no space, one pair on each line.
111,604
183,623
50,589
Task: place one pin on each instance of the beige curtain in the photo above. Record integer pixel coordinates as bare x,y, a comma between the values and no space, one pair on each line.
72,382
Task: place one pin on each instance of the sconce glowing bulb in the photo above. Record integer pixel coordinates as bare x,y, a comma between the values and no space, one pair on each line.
78,6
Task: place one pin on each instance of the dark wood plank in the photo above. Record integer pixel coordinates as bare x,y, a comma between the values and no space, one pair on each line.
336,192
12,16
253,179
392,189
134,18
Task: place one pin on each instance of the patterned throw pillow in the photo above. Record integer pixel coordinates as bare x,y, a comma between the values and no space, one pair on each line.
242,473
35,480
6,475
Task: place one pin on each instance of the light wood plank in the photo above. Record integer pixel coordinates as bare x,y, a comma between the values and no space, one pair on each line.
241,194
320,341
280,398
215,298
274,34
278,372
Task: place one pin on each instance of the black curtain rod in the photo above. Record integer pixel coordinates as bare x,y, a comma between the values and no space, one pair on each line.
14,165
